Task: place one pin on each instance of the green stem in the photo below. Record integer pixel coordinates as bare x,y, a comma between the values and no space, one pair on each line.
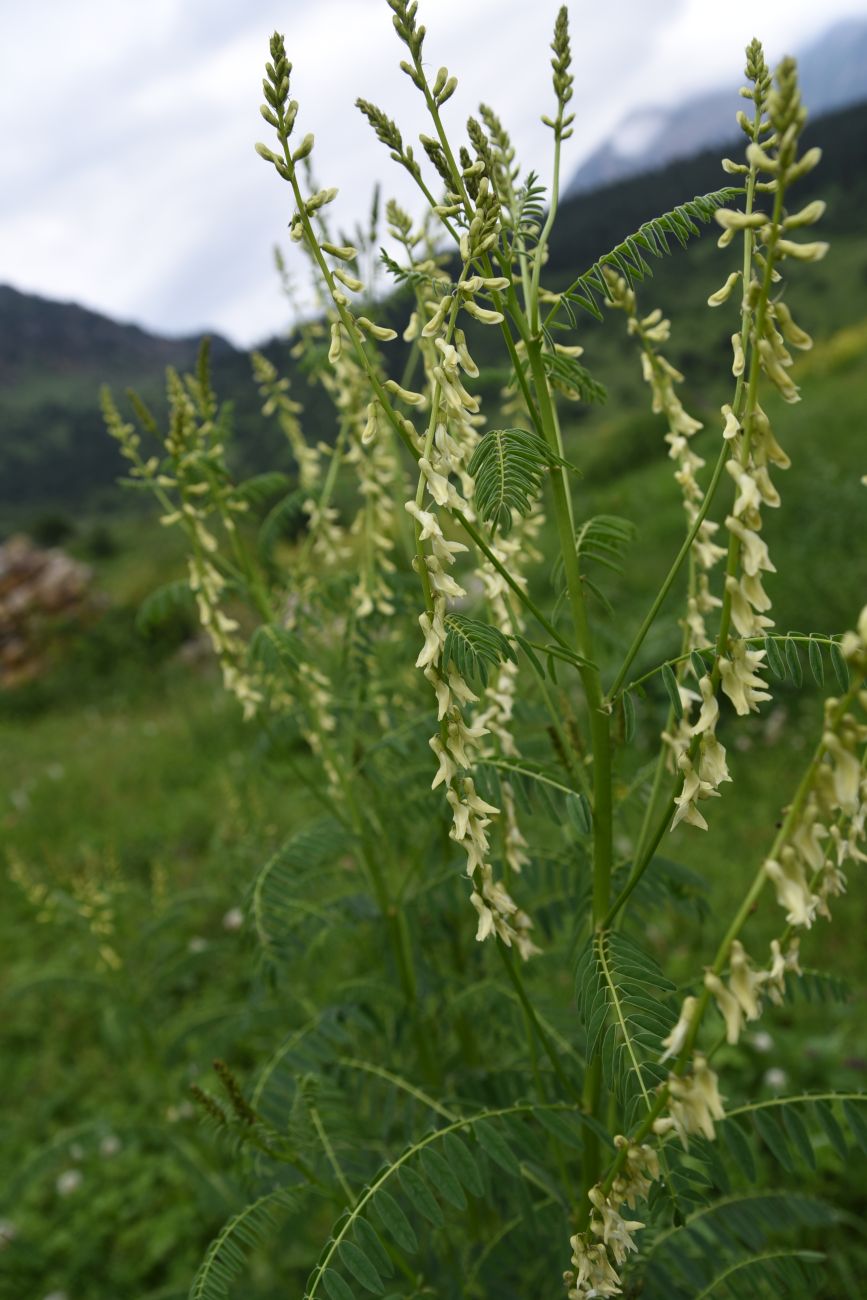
518,984
650,617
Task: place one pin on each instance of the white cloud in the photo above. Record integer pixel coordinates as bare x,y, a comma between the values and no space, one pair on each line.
129,181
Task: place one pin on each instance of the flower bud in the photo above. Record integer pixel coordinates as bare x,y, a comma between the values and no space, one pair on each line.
802,252
730,219
808,216
722,295
739,359
304,148
378,332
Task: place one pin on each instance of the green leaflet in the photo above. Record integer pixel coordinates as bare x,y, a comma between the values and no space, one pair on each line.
420,1196
462,1161
441,1177
395,1222
496,1146
362,1269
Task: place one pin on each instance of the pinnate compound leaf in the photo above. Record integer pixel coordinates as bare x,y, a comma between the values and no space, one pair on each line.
474,648
508,466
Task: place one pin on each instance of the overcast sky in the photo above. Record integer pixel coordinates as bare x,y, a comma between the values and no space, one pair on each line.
128,180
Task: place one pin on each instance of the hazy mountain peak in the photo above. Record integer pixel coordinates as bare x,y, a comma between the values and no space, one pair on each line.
833,73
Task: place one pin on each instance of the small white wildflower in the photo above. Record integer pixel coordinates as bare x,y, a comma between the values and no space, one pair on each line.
676,1039
729,1007
233,920
68,1182
694,1102
110,1146
709,708
594,1275
740,680
744,981
447,769
793,892
615,1231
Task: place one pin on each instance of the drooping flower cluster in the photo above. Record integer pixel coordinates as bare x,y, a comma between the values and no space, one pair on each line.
661,376
498,700
703,767
445,482
599,1252
825,828
771,331
208,587
807,868
694,1103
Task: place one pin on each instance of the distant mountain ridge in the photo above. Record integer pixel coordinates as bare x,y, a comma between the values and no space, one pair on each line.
833,75
59,338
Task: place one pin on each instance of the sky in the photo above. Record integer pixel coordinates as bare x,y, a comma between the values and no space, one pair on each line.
128,177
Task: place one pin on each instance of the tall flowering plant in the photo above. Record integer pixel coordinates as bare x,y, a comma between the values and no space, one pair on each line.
468,740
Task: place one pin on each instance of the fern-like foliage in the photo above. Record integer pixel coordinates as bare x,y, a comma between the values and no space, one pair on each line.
601,540
667,883
275,649
569,377
414,278
279,902
604,540
787,1129
536,787
281,521
628,258
529,211
437,1175
261,487
618,988
475,648
172,599
508,466
226,1259
723,1240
